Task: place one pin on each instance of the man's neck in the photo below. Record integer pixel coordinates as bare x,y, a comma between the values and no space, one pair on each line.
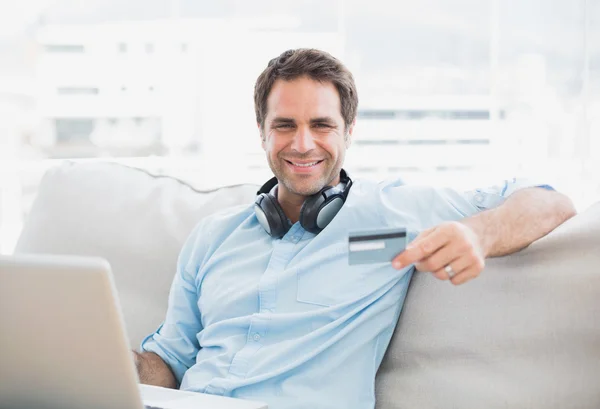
291,204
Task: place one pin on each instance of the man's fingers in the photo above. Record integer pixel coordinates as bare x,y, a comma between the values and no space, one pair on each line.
466,275
447,246
424,234
424,245
459,264
442,257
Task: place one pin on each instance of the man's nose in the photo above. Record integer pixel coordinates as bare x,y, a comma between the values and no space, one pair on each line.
303,140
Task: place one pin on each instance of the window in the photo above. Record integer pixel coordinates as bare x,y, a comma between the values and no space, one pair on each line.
77,91
451,91
418,114
73,131
65,48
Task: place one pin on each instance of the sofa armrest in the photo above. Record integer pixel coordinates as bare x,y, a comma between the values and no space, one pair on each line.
525,334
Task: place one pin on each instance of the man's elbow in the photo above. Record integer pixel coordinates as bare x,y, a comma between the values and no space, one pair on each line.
563,208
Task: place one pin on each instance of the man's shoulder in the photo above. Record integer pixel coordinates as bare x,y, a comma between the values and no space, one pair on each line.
364,186
394,195
227,217
370,187
397,184
211,231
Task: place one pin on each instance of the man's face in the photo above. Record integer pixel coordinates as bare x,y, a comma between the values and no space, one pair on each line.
304,135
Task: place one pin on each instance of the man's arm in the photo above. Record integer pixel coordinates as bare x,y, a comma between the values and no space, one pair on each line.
152,370
460,248
526,216
171,350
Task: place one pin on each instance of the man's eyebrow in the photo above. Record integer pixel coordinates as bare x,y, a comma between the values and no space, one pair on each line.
284,120
327,119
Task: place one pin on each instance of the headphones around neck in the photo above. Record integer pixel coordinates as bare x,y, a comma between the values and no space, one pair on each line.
316,213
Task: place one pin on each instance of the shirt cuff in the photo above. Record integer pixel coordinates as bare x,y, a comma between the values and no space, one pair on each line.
150,344
493,196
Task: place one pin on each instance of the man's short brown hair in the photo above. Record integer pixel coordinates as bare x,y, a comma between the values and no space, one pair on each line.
315,64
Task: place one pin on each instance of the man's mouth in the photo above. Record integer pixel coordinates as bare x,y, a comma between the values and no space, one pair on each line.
304,165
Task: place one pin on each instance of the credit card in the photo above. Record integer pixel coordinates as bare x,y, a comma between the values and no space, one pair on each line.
375,246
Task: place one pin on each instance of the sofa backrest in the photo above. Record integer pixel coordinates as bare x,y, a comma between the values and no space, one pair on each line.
135,220
524,334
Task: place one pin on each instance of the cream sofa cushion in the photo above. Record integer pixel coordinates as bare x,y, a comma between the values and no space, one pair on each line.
137,221
525,334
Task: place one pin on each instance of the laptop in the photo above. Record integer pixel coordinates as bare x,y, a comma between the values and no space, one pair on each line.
63,342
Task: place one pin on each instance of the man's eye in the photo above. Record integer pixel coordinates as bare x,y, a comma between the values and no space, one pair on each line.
284,126
322,126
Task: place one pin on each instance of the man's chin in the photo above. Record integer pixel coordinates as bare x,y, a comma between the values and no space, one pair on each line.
304,189
304,184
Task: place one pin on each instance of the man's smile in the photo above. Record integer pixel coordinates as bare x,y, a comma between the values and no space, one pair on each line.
304,166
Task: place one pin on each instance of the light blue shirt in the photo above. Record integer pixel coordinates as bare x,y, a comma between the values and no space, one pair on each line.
288,321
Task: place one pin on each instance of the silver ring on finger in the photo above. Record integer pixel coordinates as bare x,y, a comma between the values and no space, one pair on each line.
450,271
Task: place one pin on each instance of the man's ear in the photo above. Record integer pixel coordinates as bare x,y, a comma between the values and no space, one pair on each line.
262,136
348,137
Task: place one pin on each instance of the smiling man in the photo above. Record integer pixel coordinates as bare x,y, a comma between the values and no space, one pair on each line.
264,304
304,135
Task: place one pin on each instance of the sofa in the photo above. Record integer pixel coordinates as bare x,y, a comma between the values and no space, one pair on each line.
525,334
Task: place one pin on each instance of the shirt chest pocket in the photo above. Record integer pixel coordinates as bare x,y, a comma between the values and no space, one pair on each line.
328,280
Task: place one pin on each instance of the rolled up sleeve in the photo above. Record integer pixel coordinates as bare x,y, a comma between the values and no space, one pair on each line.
493,196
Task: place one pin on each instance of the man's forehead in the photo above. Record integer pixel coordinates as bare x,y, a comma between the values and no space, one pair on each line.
303,96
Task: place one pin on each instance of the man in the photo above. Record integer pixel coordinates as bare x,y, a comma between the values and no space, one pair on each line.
264,304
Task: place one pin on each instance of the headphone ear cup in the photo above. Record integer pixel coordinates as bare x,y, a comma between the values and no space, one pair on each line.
275,222
310,212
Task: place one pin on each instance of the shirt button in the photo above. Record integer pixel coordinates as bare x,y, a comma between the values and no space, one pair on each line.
256,337
479,197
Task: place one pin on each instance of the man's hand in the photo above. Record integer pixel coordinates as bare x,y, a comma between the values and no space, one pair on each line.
152,370
459,249
450,250
137,361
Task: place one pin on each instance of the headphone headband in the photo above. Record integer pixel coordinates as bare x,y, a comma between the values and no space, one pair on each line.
317,211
